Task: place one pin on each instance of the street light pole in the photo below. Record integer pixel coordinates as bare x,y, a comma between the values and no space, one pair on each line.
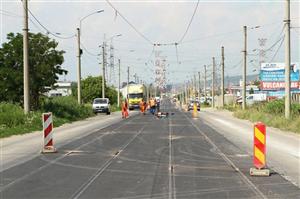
213,84
119,82
25,58
79,52
103,70
78,67
244,68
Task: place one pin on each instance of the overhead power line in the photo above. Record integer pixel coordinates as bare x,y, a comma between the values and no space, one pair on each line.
282,40
46,29
191,20
87,51
130,24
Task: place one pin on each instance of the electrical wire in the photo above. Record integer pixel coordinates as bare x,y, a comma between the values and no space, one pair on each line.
10,13
87,51
130,24
45,28
191,20
282,40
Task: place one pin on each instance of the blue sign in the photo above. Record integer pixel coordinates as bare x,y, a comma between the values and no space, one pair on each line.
275,72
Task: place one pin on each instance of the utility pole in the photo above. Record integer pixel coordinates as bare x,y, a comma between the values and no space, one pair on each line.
185,95
222,79
199,85
245,68
205,82
119,82
103,70
287,22
213,84
195,86
78,67
25,59
127,81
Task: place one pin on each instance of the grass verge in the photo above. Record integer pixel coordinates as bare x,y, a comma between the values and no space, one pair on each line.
271,113
13,121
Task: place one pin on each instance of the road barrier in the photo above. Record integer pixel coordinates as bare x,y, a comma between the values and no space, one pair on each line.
259,151
48,133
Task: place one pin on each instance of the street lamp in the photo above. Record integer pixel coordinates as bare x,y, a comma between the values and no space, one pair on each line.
79,56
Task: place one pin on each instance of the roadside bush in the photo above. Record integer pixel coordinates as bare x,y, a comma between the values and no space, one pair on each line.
11,115
14,121
67,108
274,107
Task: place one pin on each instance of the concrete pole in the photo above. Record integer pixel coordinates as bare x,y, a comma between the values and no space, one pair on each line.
213,84
195,86
103,70
25,59
119,82
127,82
185,91
205,81
199,85
287,22
78,67
244,68
222,79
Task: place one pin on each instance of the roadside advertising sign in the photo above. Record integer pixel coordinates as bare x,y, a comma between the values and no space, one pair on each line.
272,76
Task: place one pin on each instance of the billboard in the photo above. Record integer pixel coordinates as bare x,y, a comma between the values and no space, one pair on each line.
272,76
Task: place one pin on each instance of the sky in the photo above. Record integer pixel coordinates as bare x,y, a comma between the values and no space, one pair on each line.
215,24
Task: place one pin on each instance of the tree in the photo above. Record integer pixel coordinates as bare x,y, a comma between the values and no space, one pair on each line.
44,67
91,88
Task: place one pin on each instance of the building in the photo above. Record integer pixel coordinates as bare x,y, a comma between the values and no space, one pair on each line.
60,89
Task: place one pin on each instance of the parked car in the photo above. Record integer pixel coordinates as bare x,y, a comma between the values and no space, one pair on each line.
191,105
101,105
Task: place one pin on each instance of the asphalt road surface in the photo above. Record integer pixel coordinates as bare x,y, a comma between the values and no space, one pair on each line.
145,157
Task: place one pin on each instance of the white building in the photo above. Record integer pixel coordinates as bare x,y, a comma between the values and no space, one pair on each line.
61,89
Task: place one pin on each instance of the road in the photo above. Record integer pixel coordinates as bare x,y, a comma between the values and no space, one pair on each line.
145,157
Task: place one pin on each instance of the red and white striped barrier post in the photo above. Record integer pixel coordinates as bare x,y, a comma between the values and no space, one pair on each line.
259,151
48,133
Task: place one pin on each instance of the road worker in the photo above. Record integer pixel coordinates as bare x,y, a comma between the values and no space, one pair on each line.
142,106
125,109
152,105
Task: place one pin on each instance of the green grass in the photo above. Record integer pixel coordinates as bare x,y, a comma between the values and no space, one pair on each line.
13,121
270,113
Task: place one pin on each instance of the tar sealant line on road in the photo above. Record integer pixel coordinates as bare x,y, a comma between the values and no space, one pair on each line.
229,162
86,185
2,188
172,186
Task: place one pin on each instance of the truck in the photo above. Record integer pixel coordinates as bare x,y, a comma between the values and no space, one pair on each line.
136,92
